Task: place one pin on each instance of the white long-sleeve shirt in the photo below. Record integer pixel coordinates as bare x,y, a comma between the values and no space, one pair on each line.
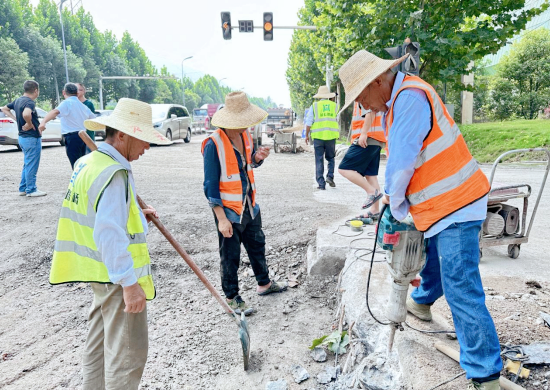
110,224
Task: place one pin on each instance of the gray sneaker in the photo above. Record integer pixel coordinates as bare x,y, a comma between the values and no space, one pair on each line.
418,310
239,306
37,193
22,193
491,385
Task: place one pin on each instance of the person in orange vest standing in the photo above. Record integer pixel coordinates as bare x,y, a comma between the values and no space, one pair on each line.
229,186
361,162
431,174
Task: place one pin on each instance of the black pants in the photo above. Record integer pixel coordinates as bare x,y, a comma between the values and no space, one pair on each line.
74,147
249,233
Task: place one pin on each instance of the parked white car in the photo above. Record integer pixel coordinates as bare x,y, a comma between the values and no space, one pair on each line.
9,135
172,121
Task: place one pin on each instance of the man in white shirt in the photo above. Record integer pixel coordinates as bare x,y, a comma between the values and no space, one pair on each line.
72,114
101,239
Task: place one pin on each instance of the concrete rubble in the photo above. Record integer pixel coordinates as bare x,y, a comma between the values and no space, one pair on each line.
299,373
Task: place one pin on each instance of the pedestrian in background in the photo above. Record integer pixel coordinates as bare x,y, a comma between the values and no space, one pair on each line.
30,136
88,103
101,239
72,114
322,128
229,186
362,160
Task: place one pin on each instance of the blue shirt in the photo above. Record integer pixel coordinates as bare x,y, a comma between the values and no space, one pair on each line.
212,172
72,114
308,120
412,121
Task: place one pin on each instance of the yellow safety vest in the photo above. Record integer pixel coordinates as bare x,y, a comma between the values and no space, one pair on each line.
76,257
325,126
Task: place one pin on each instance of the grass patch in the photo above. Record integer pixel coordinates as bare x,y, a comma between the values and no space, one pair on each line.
487,141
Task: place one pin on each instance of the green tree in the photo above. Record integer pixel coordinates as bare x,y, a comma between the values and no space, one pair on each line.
503,102
527,68
451,33
13,72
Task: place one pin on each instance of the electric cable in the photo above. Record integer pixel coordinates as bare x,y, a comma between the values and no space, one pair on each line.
448,381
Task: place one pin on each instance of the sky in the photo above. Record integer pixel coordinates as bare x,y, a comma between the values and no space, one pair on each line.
170,30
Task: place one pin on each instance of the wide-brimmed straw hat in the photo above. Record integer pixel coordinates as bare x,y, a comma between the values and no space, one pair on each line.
323,93
131,117
238,113
360,70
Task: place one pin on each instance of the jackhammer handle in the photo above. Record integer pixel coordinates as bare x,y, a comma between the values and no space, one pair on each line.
505,383
160,226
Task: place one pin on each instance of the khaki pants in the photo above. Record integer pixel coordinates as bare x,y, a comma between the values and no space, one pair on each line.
117,343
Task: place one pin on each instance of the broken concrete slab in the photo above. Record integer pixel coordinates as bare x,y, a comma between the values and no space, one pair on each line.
328,374
332,246
277,385
299,373
318,354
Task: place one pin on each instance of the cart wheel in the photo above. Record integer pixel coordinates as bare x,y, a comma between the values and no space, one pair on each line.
293,143
275,147
513,251
480,254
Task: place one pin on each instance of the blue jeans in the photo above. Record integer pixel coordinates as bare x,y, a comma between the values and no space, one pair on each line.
452,268
326,149
32,148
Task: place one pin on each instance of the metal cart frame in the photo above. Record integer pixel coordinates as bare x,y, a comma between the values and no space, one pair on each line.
514,241
284,139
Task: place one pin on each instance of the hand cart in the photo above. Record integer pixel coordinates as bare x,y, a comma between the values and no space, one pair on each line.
288,139
503,225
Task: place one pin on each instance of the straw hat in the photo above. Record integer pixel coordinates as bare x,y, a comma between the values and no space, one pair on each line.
238,113
360,70
323,93
131,117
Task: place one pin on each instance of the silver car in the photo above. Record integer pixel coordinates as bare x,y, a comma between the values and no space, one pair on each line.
172,121
9,134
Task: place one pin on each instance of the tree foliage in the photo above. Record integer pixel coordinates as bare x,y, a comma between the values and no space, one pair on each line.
90,54
451,33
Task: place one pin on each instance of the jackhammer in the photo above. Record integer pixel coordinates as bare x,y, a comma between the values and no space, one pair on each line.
406,255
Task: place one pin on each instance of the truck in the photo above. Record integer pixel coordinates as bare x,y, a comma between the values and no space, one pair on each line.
279,118
199,119
211,109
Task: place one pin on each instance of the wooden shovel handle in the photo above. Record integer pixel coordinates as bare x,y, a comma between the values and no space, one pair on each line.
160,226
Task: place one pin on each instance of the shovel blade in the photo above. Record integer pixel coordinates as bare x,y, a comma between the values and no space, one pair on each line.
244,336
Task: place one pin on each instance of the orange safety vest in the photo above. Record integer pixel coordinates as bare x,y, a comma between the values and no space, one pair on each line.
376,131
231,190
446,176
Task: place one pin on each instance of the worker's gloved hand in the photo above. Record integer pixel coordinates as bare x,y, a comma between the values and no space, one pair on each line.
226,228
134,298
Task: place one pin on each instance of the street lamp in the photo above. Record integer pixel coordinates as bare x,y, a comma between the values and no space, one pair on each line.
63,36
220,80
182,84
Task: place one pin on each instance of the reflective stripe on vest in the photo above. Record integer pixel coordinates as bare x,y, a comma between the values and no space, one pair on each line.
76,257
376,131
446,177
325,125
231,191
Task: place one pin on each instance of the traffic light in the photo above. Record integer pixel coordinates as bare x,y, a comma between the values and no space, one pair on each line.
268,26
226,25
412,63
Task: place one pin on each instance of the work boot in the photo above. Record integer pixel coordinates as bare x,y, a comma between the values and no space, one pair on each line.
491,385
418,310
331,182
239,306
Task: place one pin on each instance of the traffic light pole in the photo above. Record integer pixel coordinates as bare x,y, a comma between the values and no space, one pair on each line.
311,28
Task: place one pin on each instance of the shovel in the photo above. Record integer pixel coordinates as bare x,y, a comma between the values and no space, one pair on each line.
244,335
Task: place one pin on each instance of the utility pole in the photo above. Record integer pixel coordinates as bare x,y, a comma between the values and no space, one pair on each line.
329,74
467,98
63,36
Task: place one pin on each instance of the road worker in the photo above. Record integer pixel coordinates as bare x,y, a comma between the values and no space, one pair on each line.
361,162
229,186
101,239
322,128
431,174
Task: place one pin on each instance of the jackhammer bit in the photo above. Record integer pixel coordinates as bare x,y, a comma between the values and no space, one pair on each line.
406,255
